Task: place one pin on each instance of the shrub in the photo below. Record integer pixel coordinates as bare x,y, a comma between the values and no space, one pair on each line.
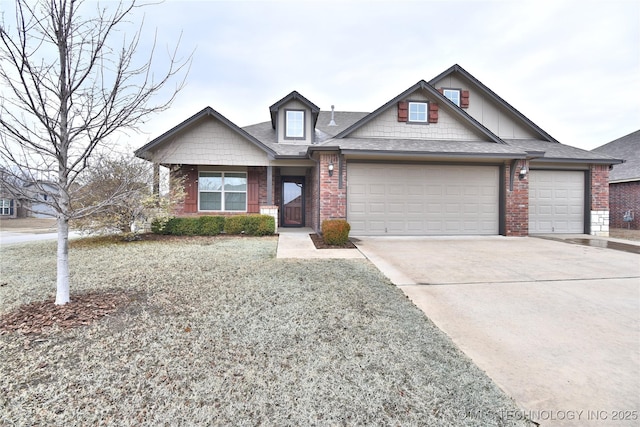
210,225
163,225
335,231
186,227
259,225
234,224
252,225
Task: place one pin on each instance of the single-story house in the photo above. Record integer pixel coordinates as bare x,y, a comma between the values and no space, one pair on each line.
624,181
444,157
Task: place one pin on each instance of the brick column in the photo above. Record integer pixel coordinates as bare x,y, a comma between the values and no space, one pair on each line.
599,200
333,200
517,202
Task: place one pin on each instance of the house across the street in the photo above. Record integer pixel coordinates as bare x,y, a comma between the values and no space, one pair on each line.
624,181
444,157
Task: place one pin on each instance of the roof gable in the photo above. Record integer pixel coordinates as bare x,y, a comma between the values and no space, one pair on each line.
443,103
524,122
143,152
293,96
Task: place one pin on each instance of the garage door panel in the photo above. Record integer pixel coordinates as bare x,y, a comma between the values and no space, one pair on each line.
423,199
556,201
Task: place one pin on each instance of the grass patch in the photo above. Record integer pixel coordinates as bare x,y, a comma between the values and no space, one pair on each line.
223,333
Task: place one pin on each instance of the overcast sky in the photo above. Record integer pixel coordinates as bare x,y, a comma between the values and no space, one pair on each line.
572,67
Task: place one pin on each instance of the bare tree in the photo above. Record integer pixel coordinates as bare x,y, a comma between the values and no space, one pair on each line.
118,188
69,82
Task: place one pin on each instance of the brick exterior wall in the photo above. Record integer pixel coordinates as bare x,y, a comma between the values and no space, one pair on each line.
624,196
333,200
599,187
517,202
189,207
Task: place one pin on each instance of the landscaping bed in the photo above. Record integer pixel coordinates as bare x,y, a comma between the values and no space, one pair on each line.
217,331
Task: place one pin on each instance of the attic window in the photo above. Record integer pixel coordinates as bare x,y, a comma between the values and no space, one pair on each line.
294,124
453,95
418,112
457,96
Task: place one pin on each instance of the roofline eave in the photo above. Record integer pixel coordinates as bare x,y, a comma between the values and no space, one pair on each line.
434,154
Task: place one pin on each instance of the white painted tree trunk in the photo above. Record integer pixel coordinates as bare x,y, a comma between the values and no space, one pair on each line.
62,282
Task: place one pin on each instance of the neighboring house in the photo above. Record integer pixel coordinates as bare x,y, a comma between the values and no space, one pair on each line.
40,198
624,181
444,157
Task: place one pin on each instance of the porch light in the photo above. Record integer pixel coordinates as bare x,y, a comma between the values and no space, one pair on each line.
330,167
523,172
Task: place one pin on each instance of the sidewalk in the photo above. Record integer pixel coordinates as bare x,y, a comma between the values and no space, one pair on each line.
296,243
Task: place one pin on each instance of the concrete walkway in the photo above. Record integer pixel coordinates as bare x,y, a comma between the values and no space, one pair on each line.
296,243
555,325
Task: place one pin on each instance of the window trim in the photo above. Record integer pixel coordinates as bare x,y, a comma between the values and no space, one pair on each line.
286,124
6,205
426,112
222,191
444,93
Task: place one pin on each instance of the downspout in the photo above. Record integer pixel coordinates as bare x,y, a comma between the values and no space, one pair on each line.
317,228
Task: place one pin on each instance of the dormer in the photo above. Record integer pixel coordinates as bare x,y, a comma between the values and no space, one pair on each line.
294,119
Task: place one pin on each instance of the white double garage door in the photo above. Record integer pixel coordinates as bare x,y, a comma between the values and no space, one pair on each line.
413,199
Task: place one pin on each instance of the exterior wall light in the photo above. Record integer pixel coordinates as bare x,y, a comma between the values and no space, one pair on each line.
330,167
523,172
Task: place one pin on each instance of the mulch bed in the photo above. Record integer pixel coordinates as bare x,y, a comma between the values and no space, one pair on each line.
320,244
35,317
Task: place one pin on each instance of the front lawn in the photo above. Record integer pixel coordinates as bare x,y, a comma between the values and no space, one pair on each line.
217,331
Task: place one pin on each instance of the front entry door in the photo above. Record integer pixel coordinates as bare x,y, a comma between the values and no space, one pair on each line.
293,201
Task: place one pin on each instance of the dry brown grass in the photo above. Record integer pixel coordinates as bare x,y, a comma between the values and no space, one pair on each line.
223,333
27,224
623,233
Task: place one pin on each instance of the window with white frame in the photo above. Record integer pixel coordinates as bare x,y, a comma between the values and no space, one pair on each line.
6,207
222,191
453,95
294,124
418,112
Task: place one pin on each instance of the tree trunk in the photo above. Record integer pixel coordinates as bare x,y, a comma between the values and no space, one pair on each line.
62,283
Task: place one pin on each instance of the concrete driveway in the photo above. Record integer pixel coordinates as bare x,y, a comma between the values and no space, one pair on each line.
555,325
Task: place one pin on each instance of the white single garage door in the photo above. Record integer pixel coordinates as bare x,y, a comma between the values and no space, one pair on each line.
556,201
422,199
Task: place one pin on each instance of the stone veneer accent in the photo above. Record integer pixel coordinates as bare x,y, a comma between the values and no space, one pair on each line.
600,223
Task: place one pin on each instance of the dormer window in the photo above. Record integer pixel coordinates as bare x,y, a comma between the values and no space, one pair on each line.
453,95
418,112
294,124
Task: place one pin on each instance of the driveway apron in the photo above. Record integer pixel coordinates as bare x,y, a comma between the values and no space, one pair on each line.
555,325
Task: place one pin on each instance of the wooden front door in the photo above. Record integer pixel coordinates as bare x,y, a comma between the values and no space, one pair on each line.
292,201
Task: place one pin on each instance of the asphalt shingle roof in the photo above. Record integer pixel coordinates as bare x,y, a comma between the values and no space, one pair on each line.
626,148
438,147
559,152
